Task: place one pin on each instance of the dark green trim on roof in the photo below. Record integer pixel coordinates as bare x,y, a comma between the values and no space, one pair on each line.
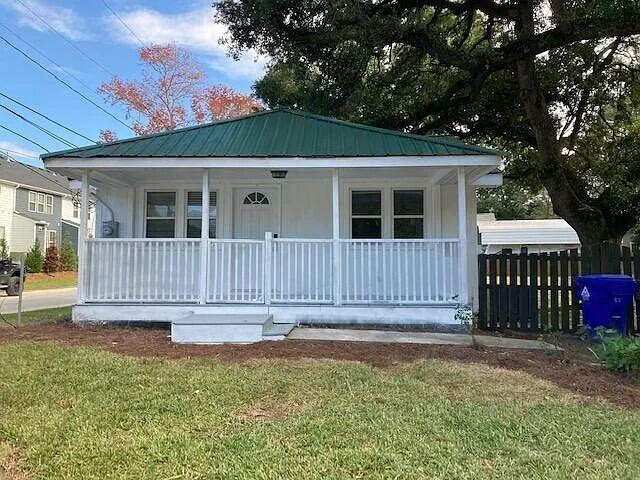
281,132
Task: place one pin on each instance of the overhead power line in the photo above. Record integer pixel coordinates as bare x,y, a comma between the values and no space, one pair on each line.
24,138
73,45
16,152
46,117
39,127
44,55
26,55
123,23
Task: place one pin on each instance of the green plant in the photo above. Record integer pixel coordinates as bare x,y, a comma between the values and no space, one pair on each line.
4,250
68,258
464,315
618,353
51,260
34,260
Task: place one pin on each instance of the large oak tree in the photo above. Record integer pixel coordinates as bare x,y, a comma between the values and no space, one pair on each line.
552,82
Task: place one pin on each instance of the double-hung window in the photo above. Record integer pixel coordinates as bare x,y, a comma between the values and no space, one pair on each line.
194,214
40,203
408,214
160,219
366,214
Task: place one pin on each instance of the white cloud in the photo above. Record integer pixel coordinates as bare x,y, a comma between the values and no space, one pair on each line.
195,29
18,151
63,19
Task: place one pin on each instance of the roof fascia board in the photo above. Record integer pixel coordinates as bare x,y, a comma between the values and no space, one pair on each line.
273,162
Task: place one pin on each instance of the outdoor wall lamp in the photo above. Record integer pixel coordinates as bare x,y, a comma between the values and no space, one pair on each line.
278,173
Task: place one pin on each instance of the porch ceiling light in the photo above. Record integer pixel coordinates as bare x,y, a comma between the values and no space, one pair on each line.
278,173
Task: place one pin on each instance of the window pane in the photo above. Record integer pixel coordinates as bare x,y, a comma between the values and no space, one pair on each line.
366,228
160,228
40,208
408,202
49,200
161,204
194,225
41,197
407,228
194,204
366,203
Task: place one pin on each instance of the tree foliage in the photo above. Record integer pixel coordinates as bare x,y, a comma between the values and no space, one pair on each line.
51,260
514,202
68,258
532,77
171,94
4,249
34,260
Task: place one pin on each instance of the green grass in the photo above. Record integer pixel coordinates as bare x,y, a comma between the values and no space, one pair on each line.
37,317
79,413
45,282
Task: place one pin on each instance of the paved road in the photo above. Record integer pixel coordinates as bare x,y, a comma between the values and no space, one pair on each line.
60,297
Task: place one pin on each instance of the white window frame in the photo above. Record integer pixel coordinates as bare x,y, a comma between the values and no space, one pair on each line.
175,211
393,208
40,201
187,191
48,238
381,216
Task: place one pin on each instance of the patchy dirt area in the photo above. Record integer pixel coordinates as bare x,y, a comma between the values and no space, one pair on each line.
571,369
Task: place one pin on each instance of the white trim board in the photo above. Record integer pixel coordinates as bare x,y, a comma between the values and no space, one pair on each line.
272,162
292,314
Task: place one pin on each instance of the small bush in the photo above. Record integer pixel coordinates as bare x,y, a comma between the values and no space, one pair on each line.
4,250
68,258
51,260
619,353
34,260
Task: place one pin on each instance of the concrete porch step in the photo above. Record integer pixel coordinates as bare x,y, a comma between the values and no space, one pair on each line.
213,329
227,328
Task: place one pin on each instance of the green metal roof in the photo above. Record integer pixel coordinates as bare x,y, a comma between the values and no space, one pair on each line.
281,132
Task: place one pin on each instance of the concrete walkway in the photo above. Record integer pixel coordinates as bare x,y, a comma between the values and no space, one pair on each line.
386,336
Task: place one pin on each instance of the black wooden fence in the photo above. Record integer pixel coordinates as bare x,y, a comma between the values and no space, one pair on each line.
534,291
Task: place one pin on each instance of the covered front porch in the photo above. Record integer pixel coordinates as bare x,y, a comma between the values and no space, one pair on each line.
334,236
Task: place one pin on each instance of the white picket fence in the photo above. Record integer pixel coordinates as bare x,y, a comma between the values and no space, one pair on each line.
279,271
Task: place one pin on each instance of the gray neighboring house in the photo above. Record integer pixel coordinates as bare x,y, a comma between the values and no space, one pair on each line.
35,204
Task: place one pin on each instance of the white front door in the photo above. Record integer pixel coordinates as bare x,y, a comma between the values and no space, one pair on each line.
256,211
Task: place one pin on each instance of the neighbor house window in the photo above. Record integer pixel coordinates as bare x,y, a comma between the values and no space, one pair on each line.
40,203
161,215
408,214
51,238
366,214
194,214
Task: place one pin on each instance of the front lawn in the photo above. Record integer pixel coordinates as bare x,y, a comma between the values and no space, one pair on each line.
47,281
77,412
37,317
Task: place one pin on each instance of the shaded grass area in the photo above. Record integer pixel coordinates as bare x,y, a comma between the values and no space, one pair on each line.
77,412
44,281
37,317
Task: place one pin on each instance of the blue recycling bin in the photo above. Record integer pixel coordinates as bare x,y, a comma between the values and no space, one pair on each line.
605,300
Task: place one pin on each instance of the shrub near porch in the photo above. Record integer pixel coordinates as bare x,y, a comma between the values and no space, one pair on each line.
76,412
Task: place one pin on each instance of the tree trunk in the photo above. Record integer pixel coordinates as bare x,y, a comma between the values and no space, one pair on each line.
589,222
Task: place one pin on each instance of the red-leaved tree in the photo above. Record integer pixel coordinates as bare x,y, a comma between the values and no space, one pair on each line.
171,94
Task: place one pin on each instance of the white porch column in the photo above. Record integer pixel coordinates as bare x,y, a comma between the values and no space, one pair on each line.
204,238
82,240
462,237
337,258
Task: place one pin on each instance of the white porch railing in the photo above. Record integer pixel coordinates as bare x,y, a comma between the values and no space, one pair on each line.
280,271
142,270
301,271
236,271
399,271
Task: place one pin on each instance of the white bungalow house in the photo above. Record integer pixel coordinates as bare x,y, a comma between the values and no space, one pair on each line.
280,217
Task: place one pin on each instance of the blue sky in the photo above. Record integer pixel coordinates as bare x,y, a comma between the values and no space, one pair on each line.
92,28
